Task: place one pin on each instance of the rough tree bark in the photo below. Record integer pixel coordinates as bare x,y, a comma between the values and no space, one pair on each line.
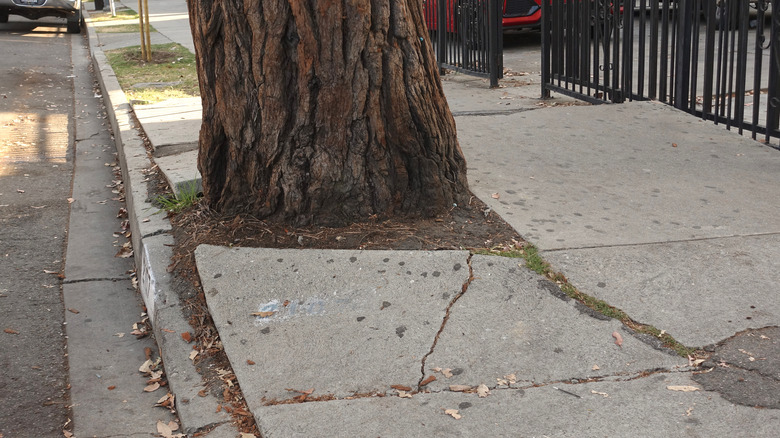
323,111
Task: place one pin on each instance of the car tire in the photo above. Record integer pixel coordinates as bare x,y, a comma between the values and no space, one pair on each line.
4,16
74,22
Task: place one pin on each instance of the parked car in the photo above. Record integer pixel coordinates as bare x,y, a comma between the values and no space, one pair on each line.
516,14
35,9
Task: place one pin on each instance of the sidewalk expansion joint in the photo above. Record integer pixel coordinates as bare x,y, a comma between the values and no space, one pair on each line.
463,290
695,239
89,280
155,233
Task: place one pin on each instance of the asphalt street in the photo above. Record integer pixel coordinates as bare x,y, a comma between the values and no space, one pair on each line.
36,168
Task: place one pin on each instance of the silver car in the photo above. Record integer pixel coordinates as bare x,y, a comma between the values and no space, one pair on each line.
35,9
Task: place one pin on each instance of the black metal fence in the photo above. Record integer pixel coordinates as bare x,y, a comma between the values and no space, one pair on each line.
466,36
717,59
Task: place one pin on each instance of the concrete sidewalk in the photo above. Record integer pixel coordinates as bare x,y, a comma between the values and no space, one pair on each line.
674,220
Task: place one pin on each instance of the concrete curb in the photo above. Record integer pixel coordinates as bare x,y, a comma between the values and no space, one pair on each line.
152,240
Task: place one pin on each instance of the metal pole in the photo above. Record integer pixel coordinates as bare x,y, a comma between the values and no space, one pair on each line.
441,34
545,49
494,27
683,51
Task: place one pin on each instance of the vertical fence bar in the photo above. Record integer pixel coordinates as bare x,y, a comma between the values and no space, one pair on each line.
546,49
494,32
683,54
773,95
757,66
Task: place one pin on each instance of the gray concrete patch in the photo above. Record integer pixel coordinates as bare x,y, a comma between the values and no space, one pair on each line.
641,407
181,171
699,292
745,369
614,176
172,126
338,322
507,323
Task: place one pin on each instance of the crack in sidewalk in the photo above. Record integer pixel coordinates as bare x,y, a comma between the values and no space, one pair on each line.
463,290
86,280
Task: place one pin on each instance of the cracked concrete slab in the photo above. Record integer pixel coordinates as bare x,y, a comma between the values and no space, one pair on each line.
513,321
618,408
700,292
338,322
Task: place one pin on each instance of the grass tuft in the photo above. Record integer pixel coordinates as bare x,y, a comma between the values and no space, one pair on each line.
188,197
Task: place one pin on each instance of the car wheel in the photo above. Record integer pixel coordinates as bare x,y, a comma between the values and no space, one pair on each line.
4,16
74,22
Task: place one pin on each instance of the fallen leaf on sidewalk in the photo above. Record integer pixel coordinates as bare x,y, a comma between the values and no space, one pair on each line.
427,380
247,435
483,391
682,388
447,372
453,413
495,196
250,362
603,394
153,387
11,331
112,387
166,430
193,354
401,387
595,368
70,200
187,337
404,394
460,388
71,310
618,339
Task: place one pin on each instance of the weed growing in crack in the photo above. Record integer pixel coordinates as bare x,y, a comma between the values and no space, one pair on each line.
536,263
188,196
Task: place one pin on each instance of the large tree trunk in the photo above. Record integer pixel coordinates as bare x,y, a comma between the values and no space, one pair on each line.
323,111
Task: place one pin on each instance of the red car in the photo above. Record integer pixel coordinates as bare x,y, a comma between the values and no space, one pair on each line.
517,14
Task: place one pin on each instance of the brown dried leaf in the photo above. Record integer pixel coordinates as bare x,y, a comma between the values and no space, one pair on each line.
153,387
460,388
187,337
453,413
112,387
404,394
483,391
401,387
11,331
250,362
447,372
618,339
683,388
73,311
427,380
495,196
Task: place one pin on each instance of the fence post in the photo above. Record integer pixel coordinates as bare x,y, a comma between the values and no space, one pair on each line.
545,49
441,34
773,95
494,27
682,64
